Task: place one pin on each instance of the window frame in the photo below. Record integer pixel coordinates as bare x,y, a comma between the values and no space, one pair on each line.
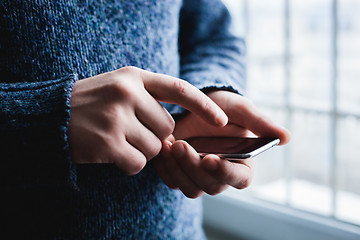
247,217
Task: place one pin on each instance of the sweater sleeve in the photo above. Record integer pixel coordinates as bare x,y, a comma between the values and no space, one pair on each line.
211,56
34,119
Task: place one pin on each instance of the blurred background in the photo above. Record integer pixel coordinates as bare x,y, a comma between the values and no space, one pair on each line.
303,71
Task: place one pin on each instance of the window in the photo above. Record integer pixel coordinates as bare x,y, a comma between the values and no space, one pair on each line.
304,71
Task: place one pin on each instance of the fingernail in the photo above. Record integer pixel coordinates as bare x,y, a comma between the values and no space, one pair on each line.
178,150
167,144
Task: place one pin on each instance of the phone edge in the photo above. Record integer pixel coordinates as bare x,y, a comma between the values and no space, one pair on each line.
235,157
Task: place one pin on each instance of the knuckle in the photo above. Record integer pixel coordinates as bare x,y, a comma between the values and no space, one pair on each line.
135,167
215,189
182,86
122,89
244,183
167,129
124,83
113,89
130,164
155,149
129,69
193,193
238,180
170,126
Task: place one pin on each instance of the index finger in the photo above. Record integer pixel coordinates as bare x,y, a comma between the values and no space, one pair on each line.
174,90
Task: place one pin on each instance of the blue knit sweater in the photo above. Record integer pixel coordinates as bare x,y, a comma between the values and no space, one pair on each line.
45,46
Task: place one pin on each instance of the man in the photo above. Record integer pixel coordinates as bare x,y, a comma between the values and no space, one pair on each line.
80,128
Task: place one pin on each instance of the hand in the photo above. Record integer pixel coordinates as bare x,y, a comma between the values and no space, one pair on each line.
244,120
116,118
180,166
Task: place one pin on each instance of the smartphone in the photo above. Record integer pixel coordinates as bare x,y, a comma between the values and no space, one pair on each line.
232,148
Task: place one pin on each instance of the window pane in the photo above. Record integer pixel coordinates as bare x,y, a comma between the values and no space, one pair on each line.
349,56
348,165
310,28
265,42
300,174
309,156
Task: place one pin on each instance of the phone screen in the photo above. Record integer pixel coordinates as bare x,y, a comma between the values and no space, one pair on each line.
232,147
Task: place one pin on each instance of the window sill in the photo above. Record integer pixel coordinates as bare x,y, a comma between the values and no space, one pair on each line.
247,217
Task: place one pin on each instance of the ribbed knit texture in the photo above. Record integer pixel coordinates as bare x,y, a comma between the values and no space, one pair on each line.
45,46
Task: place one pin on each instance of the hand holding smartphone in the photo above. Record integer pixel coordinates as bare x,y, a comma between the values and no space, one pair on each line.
232,148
